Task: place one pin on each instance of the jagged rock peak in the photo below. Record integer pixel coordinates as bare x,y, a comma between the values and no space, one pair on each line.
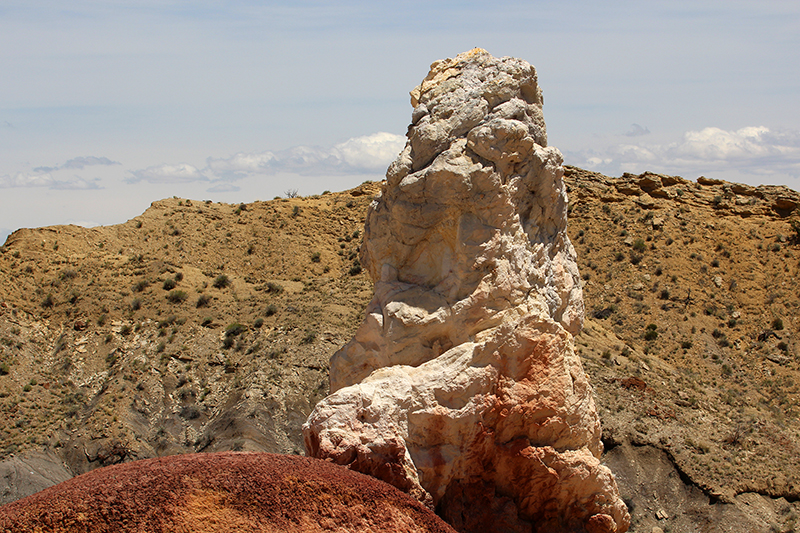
462,386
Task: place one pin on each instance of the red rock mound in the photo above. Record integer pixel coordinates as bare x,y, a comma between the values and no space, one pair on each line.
220,493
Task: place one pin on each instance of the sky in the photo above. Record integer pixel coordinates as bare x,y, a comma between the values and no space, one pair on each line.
107,106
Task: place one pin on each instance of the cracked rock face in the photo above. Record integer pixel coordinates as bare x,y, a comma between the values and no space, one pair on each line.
462,386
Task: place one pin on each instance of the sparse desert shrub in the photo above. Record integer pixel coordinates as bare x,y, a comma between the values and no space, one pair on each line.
126,330
664,295
291,193
355,269
207,321
169,284
48,302
258,322
639,245
140,285
309,337
177,296
235,329
4,369
782,346
178,277
67,275
274,287
221,281
604,313
650,333
636,258
295,210
270,310
686,344
619,256
315,257
136,304
203,301
777,324
795,224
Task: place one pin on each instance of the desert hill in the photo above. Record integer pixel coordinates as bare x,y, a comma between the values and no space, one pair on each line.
201,326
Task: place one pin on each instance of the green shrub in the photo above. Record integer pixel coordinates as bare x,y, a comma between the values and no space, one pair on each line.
315,257
203,301
235,329
169,284
221,281
777,324
639,245
48,302
355,269
177,296
258,323
650,333
270,310
136,304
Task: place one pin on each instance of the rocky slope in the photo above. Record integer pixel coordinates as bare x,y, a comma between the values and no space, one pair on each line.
225,492
700,417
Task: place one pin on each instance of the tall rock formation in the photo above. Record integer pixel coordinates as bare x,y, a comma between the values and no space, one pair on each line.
462,386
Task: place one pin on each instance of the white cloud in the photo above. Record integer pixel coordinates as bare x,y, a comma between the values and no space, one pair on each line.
371,153
754,150
179,173
359,155
241,165
80,162
46,179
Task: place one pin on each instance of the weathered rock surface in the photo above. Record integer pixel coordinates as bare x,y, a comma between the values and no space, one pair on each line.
462,386
220,493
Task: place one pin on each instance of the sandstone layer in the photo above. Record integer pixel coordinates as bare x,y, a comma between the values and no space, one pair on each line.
220,493
462,386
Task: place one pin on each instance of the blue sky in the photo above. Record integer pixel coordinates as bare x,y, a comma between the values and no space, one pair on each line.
106,106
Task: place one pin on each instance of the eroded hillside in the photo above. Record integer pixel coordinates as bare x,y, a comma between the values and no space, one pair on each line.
691,340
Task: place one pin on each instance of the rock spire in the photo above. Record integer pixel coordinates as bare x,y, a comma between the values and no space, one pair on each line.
462,386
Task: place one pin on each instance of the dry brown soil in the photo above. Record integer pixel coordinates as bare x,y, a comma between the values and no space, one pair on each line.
691,338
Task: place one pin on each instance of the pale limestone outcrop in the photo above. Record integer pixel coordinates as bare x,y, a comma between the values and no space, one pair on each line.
462,386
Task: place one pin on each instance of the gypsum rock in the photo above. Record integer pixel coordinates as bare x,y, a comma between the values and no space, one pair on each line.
462,386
